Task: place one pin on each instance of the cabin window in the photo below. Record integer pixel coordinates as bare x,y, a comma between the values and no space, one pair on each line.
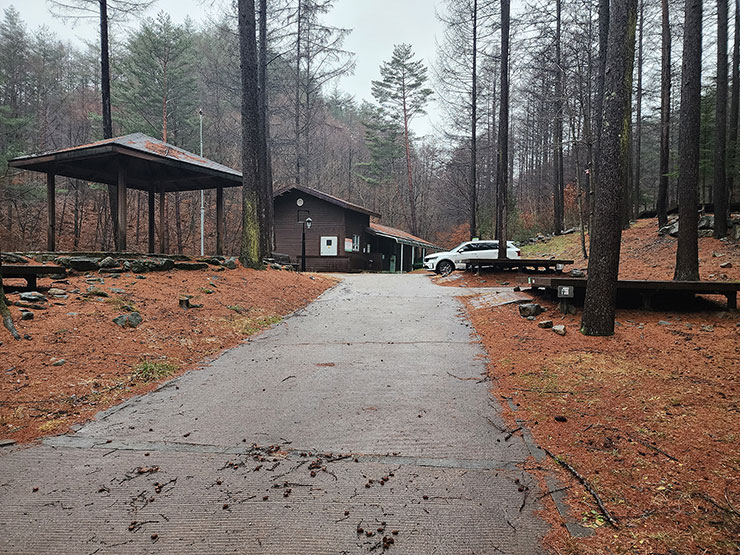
356,243
329,246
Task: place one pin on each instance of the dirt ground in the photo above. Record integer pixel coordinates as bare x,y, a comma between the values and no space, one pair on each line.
648,417
78,362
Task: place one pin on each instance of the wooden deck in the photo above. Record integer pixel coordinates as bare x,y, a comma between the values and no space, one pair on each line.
647,289
526,264
29,273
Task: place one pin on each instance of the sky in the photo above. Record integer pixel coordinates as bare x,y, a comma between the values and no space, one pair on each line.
376,26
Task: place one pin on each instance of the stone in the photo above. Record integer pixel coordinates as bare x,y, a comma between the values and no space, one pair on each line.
26,315
109,262
663,323
59,362
529,309
72,313
706,222
735,233
112,271
560,330
117,291
33,297
58,293
670,229
230,263
191,265
544,324
140,277
96,292
577,273
717,254
530,318
517,288
705,233
130,320
726,265
34,306
142,265
707,328
94,280
82,263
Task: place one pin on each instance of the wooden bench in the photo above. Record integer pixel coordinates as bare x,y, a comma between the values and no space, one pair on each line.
647,289
28,272
532,264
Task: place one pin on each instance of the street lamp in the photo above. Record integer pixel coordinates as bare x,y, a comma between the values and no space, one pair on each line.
306,225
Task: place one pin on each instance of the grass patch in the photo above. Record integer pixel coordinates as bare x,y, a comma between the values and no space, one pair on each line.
559,246
252,324
153,370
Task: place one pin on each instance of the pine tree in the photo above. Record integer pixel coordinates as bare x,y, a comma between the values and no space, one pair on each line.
402,94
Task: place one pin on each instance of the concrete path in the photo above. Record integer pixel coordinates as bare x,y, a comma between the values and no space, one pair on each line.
369,409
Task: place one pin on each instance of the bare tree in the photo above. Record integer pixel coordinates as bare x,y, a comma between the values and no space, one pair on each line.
665,115
502,178
719,188
687,253
606,234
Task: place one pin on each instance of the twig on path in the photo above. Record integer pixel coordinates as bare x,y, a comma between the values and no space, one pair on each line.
464,379
492,423
286,379
511,433
610,519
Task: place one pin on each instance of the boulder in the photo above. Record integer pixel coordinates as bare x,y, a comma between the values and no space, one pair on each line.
130,320
109,262
670,229
706,221
545,324
191,265
230,263
81,263
26,315
143,265
529,309
33,297
560,330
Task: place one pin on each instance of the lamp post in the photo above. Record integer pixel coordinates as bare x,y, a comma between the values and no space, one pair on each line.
306,225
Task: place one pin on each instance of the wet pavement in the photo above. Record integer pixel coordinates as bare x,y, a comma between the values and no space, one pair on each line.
368,410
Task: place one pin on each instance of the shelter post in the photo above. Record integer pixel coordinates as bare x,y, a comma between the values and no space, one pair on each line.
151,221
219,221
122,216
413,253
51,212
162,220
400,267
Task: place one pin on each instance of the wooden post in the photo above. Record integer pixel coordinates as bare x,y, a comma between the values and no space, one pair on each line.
151,220
219,221
122,216
162,221
51,212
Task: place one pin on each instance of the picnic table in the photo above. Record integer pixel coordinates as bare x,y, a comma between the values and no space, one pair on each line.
29,272
569,287
527,264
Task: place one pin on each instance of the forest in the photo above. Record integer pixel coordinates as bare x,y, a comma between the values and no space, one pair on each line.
436,186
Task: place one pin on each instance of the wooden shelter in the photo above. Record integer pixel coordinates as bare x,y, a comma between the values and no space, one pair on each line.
139,162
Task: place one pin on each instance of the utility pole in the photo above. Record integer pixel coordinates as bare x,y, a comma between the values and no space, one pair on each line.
202,193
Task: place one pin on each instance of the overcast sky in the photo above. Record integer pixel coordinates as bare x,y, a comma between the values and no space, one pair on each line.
376,26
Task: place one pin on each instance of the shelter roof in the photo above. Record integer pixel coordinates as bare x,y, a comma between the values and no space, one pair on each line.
151,165
327,197
399,235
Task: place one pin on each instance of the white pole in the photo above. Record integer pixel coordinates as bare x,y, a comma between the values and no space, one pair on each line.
401,267
202,193
413,252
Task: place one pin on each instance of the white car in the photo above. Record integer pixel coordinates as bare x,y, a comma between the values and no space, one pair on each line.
445,262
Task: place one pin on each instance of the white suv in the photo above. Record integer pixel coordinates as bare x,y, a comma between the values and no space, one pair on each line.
445,262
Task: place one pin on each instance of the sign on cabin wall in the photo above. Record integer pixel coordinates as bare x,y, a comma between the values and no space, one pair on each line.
329,246
348,246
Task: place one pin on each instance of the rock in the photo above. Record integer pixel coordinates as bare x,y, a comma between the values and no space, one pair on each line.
142,265
112,271
545,324
276,266
529,309
191,265
117,291
27,337
735,232
130,320
670,229
706,222
59,362
33,297
94,280
707,328
230,263
717,254
517,288
569,231
577,273
140,277
57,293
7,442
530,318
560,418
26,315
96,292
72,313
726,265
705,233
560,330
57,276
213,261
34,306
663,323
82,264
109,262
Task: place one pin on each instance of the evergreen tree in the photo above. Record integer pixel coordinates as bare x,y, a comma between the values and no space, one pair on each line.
403,95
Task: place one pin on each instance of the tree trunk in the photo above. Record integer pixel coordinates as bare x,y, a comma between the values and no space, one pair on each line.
106,108
249,250
474,127
599,108
266,200
606,235
665,117
734,105
638,120
558,181
297,103
687,253
719,187
5,312
503,135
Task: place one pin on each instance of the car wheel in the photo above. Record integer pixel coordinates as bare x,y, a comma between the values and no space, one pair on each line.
445,267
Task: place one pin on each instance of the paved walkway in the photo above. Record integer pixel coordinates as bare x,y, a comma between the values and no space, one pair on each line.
369,409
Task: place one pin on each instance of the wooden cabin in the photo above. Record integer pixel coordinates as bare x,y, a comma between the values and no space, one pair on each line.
342,237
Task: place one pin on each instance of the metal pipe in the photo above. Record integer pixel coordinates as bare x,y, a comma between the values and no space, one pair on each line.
202,192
